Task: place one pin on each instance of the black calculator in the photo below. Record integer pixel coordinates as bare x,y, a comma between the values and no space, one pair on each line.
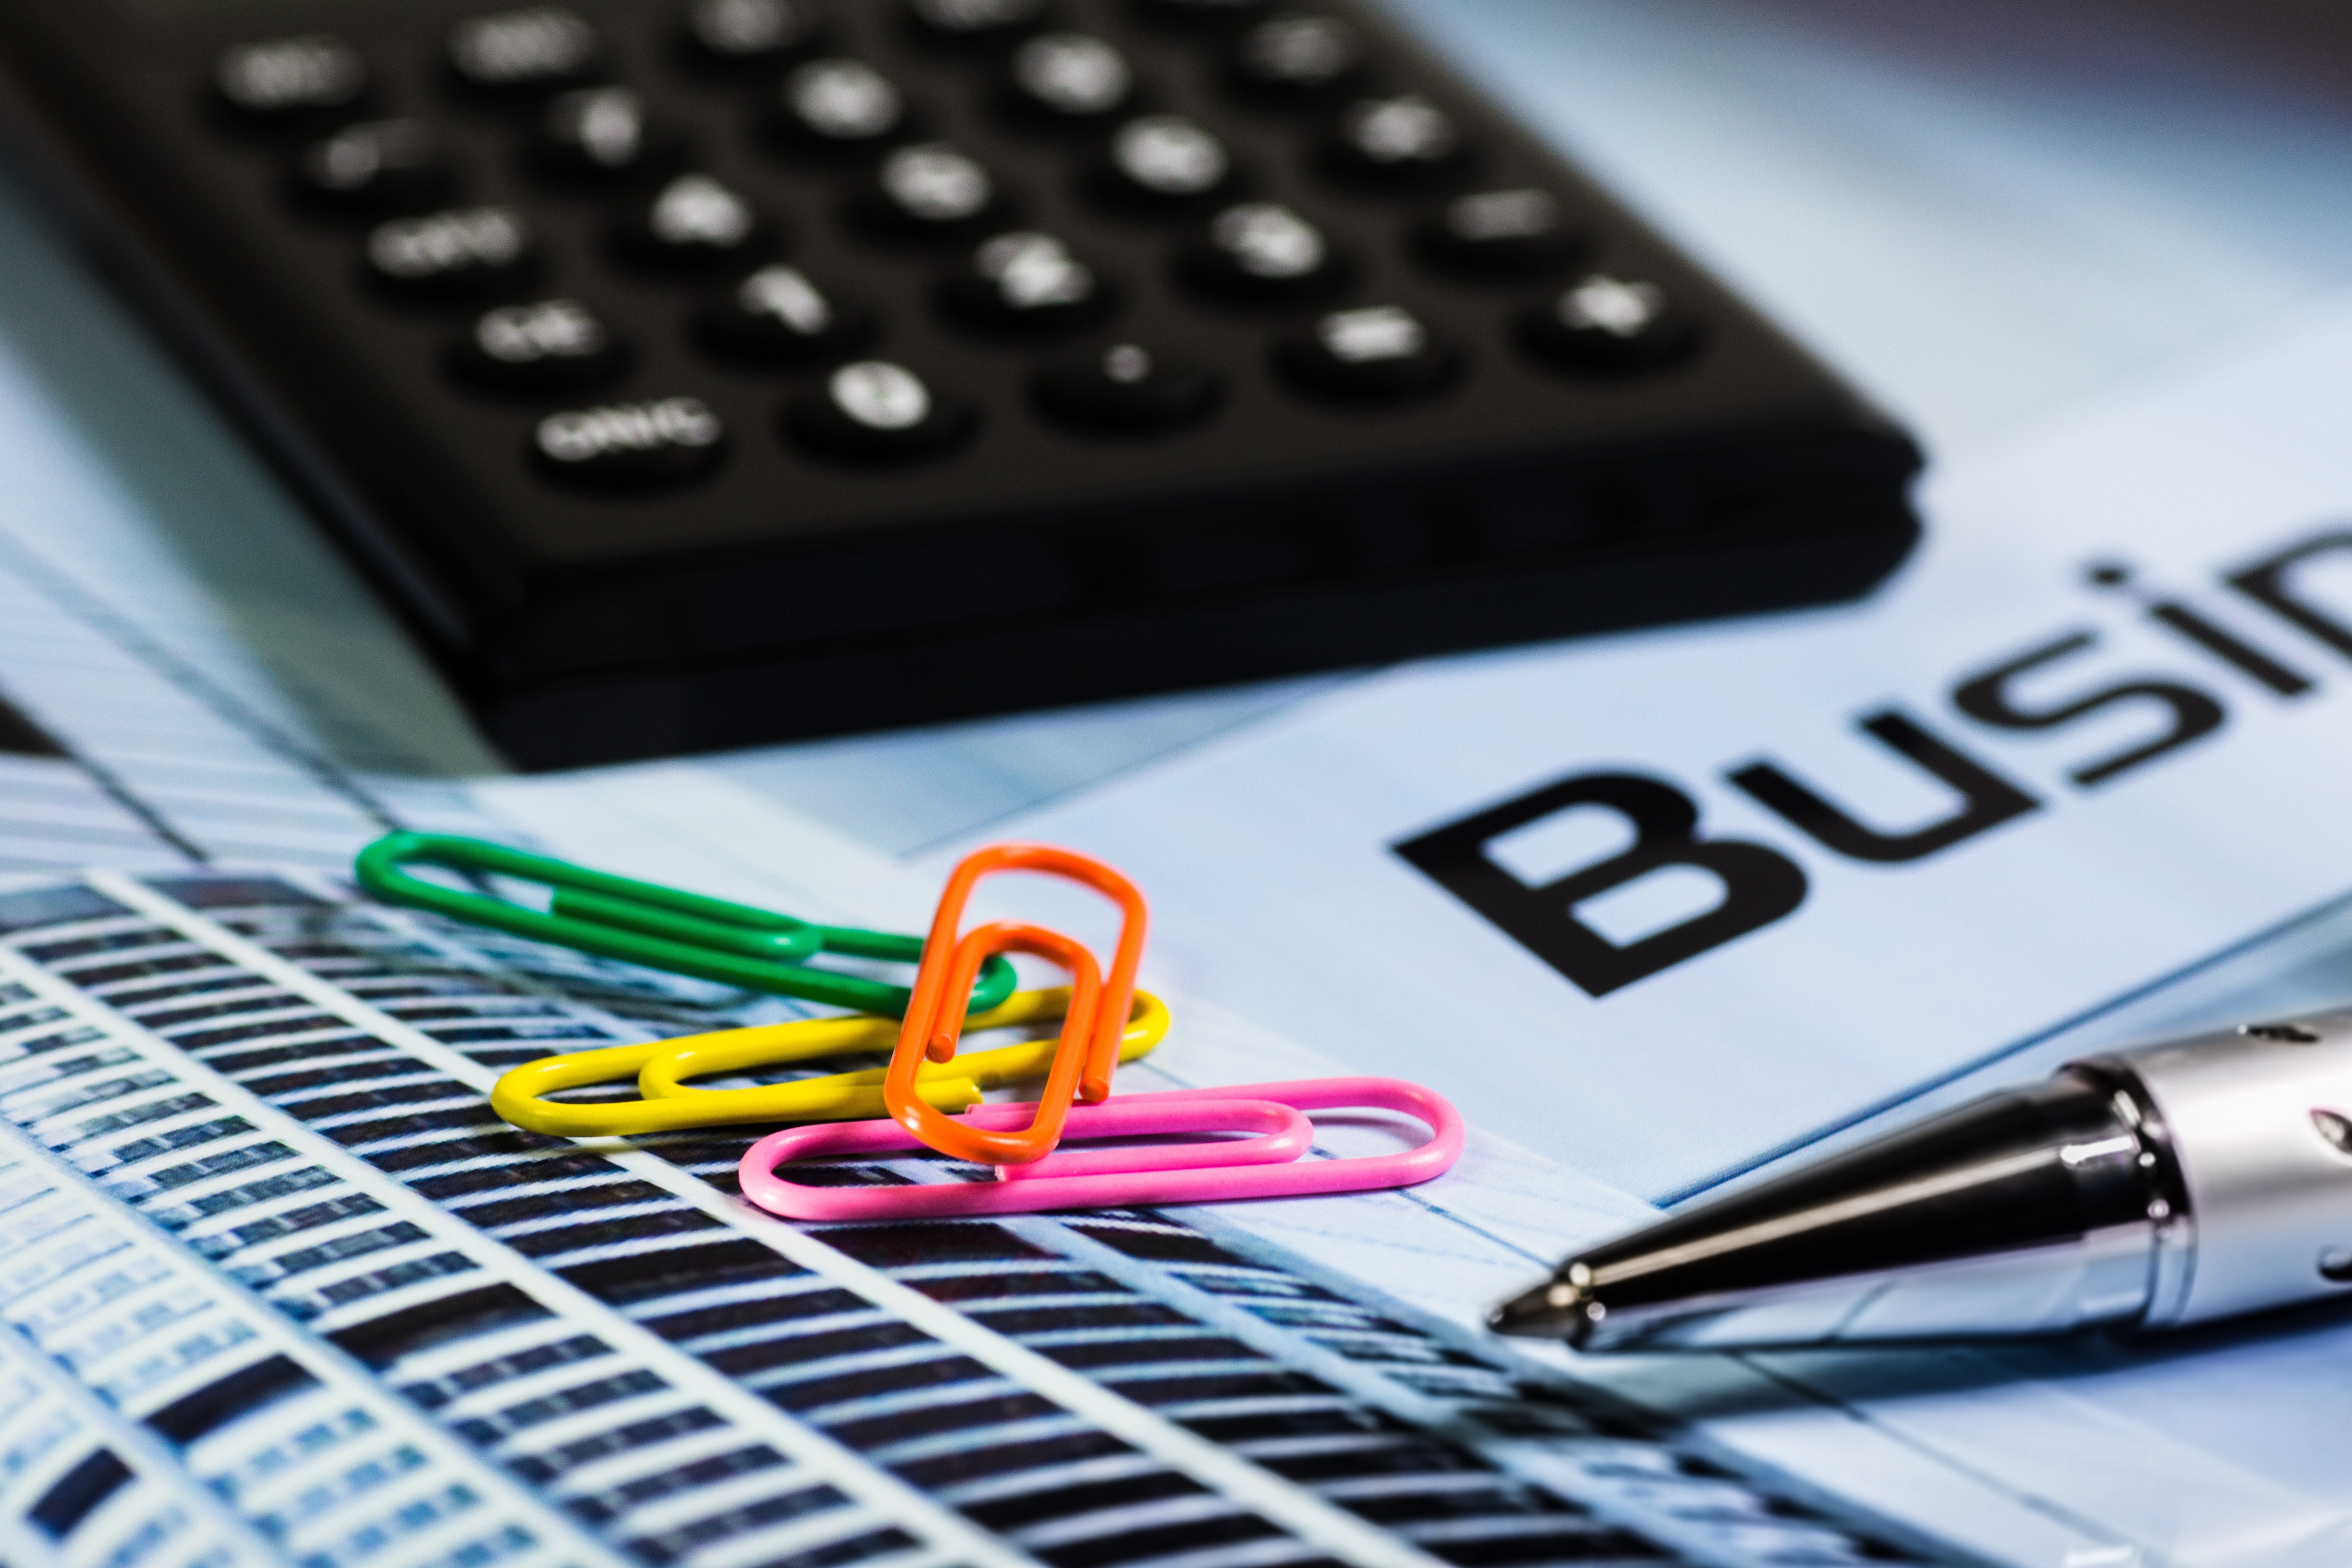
695,373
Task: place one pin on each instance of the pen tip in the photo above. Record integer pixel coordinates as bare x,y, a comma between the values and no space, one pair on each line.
1556,1310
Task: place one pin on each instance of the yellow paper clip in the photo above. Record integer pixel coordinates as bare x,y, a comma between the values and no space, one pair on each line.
671,1104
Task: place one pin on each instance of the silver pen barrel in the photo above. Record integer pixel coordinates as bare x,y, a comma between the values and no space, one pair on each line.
2143,1190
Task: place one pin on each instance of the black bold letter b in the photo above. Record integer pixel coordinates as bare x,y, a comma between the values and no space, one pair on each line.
1760,885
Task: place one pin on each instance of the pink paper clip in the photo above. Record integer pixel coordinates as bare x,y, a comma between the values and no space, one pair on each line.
1267,1166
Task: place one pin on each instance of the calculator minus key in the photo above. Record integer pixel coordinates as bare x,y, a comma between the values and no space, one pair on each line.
536,48
630,445
550,345
289,80
1502,233
875,410
376,166
1370,352
779,315
461,253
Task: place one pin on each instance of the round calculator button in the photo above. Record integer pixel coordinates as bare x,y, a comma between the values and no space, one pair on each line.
1127,386
1606,322
751,32
695,224
840,105
1261,250
1368,352
625,445
535,49
1299,57
873,408
278,80
1164,160
457,255
605,133
930,190
779,315
553,346
1026,282
1503,232
975,20
382,165
1396,141
1070,78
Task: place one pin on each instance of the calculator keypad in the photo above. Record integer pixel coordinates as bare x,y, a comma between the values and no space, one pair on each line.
861,138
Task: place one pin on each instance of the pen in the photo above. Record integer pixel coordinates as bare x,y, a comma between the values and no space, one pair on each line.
2148,1189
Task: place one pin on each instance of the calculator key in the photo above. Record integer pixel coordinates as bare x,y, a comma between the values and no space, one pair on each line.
1299,57
1606,322
1070,78
695,224
1503,232
1396,141
778,315
873,408
604,134
381,166
625,446
1127,386
1164,160
532,50
930,190
1026,282
840,105
279,80
975,20
751,32
1370,352
553,346
1261,250
457,255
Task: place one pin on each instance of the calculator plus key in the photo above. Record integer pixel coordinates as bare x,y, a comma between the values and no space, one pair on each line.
278,82
695,224
380,166
462,254
1127,387
1371,352
1299,59
1164,160
1395,141
930,191
1604,322
778,315
1070,79
536,49
874,409
1264,252
1026,283
1503,233
604,134
750,33
554,345
839,105
630,445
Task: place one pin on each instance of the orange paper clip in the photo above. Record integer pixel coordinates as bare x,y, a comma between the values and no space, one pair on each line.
1091,1031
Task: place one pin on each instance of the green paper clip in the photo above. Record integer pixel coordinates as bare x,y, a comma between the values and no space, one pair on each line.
661,927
